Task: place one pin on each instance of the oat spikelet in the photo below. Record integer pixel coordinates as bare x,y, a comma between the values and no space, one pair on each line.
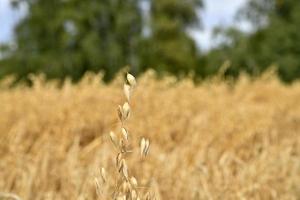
126,110
144,147
147,146
126,185
113,138
133,181
103,175
131,80
124,134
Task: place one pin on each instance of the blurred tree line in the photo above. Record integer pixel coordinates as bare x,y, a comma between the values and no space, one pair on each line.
70,37
275,41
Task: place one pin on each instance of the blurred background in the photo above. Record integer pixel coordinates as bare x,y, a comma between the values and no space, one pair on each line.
236,134
67,38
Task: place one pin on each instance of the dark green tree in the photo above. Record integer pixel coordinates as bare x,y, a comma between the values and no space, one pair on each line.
169,48
69,37
275,40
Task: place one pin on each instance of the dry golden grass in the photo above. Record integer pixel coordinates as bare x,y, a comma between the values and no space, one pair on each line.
212,141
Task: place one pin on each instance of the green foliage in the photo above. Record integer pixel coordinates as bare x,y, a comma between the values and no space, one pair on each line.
69,37
276,40
170,48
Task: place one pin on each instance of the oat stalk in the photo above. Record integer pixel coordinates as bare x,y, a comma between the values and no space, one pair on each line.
126,187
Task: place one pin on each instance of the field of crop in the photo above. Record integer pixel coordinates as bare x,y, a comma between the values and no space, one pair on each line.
212,141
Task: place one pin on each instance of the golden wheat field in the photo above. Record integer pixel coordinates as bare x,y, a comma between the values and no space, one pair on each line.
216,140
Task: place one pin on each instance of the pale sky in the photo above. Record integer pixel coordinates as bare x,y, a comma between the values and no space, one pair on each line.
8,19
217,12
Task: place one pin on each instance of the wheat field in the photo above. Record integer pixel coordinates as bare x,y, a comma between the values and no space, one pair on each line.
215,140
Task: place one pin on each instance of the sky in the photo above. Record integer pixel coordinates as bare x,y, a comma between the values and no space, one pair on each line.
8,18
217,12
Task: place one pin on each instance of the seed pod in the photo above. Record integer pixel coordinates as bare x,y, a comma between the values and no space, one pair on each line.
124,134
124,169
120,113
98,188
127,91
113,138
143,145
126,110
147,146
131,80
133,181
103,175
